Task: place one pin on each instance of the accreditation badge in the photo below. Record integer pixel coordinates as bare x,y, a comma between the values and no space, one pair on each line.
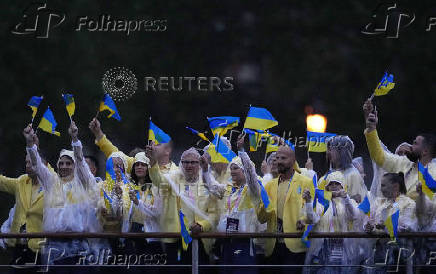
232,225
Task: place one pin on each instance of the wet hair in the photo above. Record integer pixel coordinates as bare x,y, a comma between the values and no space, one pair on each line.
134,178
345,147
92,159
430,142
397,178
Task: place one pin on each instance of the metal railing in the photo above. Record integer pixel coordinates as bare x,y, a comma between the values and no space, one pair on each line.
214,235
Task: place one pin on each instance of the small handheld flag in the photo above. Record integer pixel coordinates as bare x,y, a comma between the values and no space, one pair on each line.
186,238
199,134
108,104
385,85
34,103
220,125
157,135
427,181
69,104
323,197
365,206
391,224
219,152
304,238
254,137
316,141
260,119
48,123
263,195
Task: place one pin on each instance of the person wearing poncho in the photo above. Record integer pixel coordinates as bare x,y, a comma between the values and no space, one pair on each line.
66,198
394,199
147,208
337,218
183,190
239,213
340,155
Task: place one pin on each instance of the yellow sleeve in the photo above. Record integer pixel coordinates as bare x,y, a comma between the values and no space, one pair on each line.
205,225
387,160
8,185
108,148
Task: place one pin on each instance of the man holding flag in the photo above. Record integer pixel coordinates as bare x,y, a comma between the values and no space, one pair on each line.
423,150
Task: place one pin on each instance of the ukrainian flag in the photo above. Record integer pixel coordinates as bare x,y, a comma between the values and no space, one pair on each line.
365,206
263,195
316,141
108,104
220,125
254,138
186,238
385,85
427,181
157,135
34,103
48,123
323,197
107,199
391,224
260,119
219,152
69,104
201,135
271,145
304,238
110,172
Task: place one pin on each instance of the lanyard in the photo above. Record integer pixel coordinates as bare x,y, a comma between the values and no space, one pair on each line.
238,199
289,184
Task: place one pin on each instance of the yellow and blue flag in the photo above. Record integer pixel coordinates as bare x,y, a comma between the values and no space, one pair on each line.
391,224
107,199
304,238
157,135
219,152
186,238
34,103
365,206
260,119
254,138
199,134
263,195
48,123
69,104
427,181
316,141
323,197
220,125
108,104
385,85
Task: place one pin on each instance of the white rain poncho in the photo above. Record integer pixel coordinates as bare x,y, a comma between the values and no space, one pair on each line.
338,218
67,202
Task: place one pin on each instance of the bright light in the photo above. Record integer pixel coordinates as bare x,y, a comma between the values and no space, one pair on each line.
316,123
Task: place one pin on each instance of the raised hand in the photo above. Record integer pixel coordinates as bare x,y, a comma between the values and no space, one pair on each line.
371,121
204,163
368,107
29,135
73,131
151,153
240,142
95,128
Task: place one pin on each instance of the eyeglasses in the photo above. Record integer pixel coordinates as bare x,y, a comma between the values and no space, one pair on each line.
190,162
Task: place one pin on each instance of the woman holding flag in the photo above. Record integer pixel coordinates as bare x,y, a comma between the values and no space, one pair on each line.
67,198
239,213
392,213
334,216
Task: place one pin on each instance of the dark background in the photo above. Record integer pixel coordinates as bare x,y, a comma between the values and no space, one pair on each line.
283,55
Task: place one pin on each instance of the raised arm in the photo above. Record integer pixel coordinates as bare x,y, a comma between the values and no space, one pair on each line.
105,144
82,168
45,176
216,189
388,161
8,185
